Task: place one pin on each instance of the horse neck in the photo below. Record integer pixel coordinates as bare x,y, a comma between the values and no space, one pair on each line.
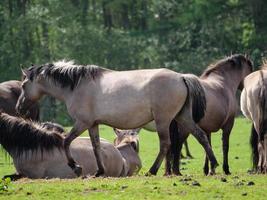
128,153
49,88
230,80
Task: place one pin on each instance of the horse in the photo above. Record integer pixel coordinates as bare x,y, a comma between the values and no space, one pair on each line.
151,126
253,103
52,126
38,152
9,94
94,95
220,82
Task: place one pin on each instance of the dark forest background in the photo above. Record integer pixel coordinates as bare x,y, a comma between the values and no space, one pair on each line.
183,35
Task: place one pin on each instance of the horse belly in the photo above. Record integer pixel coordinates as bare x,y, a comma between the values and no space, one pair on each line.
126,107
214,117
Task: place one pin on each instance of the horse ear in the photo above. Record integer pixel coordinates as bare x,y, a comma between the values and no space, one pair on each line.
25,73
117,132
137,130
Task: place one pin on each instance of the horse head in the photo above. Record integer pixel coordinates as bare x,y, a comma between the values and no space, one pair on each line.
31,90
127,137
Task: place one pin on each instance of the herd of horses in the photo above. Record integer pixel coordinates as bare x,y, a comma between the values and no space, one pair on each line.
171,103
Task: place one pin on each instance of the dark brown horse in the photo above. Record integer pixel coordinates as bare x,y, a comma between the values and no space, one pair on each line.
220,82
9,94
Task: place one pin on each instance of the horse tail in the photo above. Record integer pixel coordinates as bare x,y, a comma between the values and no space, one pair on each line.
196,97
254,147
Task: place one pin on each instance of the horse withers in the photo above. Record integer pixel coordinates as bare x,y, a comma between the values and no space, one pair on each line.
9,94
38,152
220,82
95,95
254,106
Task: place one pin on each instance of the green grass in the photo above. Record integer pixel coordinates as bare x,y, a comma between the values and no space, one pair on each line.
157,187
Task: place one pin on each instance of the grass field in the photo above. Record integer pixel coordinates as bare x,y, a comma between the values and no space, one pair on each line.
239,185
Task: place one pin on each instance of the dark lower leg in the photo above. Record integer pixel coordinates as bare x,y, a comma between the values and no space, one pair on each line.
188,154
177,158
94,135
202,138
225,138
168,164
206,165
165,143
66,143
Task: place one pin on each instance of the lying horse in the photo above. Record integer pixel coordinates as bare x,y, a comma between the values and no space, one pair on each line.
95,95
39,153
220,82
254,106
9,94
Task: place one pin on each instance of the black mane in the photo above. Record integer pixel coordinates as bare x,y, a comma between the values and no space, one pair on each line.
235,60
18,136
66,74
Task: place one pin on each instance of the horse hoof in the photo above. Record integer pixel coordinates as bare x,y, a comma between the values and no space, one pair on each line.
227,172
99,173
78,170
189,157
149,174
212,173
206,171
178,174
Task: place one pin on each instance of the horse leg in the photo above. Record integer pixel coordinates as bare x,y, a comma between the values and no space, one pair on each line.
260,150
165,143
13,177
206,165
77,129
169,158
94,136
265,155
177,154
225,141
202,138
172,161
188,154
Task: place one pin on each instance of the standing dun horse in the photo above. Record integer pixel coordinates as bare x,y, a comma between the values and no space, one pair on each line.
254,106
220,82
95,95
9,94
38,152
